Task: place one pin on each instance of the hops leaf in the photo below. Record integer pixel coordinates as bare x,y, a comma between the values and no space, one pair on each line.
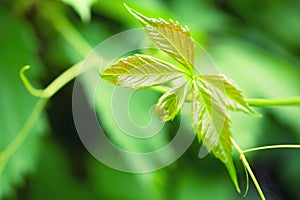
140,71
212,94
211,125
227,92
171,102
170,37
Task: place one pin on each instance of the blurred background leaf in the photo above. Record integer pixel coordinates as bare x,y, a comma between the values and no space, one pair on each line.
255,43
18,48
83,8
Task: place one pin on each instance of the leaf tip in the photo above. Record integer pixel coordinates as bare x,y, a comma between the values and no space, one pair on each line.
256,114
126,6
232,173
130,10
135,13
252,111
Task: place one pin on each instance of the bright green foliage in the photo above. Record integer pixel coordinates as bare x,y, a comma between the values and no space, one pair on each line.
170,102
263,62
212,94
211,124
170,37
141,71
226,92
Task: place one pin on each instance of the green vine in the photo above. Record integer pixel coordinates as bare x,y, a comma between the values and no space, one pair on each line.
283,146
248,169
24,132
44,95
274,102
53,87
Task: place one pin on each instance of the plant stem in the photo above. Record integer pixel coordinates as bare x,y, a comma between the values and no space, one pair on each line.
246,164
18,140
44,95
53,13
73,37
274,102
252,102
54,86
283,146
63,79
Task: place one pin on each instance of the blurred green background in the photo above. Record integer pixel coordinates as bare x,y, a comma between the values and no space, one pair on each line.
255,43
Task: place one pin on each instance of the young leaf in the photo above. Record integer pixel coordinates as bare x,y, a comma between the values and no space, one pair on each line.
170,37
211,125
171,102
227,92
140,71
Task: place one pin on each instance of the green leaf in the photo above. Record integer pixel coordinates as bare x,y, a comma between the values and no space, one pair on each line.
16,103
211,125
130,113
170,37
227,92
54,170
171,102
140,71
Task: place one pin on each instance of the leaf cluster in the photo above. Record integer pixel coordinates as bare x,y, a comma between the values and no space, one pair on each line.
211,95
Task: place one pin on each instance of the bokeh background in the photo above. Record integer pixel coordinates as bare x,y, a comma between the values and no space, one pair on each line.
255,43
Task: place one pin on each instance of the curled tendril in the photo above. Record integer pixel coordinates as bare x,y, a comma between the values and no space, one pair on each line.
247,181
44,96
35,92
54,86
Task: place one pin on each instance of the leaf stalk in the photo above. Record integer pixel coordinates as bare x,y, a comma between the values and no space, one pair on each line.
274,102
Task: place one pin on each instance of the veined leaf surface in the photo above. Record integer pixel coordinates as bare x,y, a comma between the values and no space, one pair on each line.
211,125
140,71
170,37
171,102
212,94
227,92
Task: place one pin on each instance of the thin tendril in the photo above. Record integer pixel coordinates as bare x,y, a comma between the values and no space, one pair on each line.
283,146
247,182
53,87
247,166
44,95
